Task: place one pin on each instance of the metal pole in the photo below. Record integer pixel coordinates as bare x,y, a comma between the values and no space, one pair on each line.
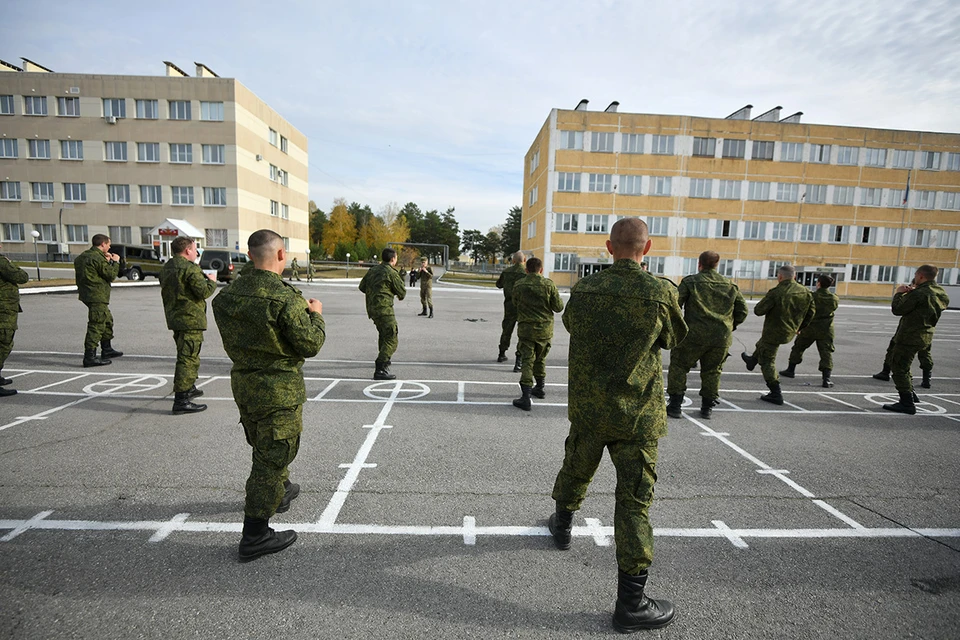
36,253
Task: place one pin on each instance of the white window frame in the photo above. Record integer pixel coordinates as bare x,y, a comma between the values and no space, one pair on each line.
727,229
110,149
811,233
886,273
658,225
566,222
35,147
77,233
531,229
216,237
214,196
48,232
272,136
815,194
148,109
34,105
120,234
9,148
924,199
870,197
630,185
275,208
41,191
930,160
153,193
601,141
144,149
661,186
951,201
788,192
848,156
181,153
782,231
791,152
754,230
113,190
74,192
631,143
874,157
844,196
903,158
947,239
181,196
820,153
68,107
564,261
71,149
211,111
284,211
180,110
861,272
601,183
953,162
571,140
213,150
662,145
762,150
701,187
698,228
758,191
283,144
596,223
704,147
843,231
568,182
734,148
891,237
6,106
10,190
13,232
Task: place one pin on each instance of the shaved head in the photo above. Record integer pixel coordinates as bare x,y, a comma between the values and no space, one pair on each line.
629,239
519,257
263,244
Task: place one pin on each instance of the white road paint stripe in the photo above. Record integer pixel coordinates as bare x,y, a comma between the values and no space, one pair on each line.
599,533
54,384
938,397
211,379
838,514
325,391
730,403
25,525
827,395
43,414
728,533
461,390
469,531
790,404
165,531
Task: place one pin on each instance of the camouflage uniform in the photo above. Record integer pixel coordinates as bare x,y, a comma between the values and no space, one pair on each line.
426,286
619,319
536,299
310,270
787,308
94,273
10,277
820,330
184,289
713,309
380,284
246,269
508,278
295,270
267,331
919,312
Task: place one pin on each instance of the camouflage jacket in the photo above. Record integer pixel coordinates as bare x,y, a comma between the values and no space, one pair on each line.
267,331
425,278
536,299
712,307
294,264
184,289
788,307
509,277
247,268
380,284
11,276
619,319
94,275
821,327
919,312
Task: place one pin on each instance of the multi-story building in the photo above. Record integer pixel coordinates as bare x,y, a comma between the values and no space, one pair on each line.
84,154
869,205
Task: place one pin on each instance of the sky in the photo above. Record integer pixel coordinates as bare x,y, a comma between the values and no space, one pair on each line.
437,101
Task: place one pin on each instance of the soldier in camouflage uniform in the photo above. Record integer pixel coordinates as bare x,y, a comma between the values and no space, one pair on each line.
788,308
310,270
268,329
425,276
380,284
713,309
619,319
184,289
508,278
11,276
820,330
294,270
95,269
919,306
536,299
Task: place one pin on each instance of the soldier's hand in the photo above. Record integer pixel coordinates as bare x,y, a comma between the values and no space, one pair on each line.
113,256
211,276
315,305
904,288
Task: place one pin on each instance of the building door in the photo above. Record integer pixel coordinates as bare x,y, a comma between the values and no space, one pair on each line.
589,268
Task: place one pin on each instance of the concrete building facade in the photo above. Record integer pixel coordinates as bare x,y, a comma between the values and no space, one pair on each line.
868,205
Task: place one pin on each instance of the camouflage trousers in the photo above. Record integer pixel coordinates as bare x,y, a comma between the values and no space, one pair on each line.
295,274
924,356
99,324
389,338
274,435
509,322
426,296
636,464
188,359
6,344
685,355
766,353
824,346
533,360
900,358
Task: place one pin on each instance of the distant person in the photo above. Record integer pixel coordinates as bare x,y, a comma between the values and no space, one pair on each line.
267,330
310,270
11,277
425,276
95,269
380,284
413,276
645,266
820,330
184,288
536,299
509,277
294,270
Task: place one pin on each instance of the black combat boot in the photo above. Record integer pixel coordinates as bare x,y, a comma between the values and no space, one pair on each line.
634,611
106,351
7,392
502,357
751,361
538,390
925,383
182,404
5,381
193,392
884,374
706,408
523,402
90,359
827,382
516,365
382,373
424,312
290,493
431,313
905,405
561,528
915,397
259,539
775,396
674,406
790,371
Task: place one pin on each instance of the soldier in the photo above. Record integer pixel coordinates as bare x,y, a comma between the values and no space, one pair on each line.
95,269
380,284
11,276
919,306
268,329
294,270
619,319
713,309
509,277
310,270
536,299
184,289
926,365
820,330
788,308
425,276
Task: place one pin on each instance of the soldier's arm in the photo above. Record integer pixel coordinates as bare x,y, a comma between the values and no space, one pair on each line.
302,328
107,271
396,285
904,303
363,282
673,328
12,273
740,311
556,302
199,285
683,292
766,304
808,317
500,281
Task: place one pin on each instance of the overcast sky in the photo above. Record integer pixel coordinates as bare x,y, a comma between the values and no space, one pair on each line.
437,101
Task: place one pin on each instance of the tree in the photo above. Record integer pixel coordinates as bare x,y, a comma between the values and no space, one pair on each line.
510,235
490,246
340,229
471,244
317,220
361,215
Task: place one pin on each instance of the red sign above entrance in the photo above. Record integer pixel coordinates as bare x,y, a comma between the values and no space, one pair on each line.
168,232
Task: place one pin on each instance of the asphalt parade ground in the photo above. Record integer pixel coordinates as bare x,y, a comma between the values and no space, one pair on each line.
424,500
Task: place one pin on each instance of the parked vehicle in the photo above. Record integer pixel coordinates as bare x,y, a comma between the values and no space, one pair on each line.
136,263
226,263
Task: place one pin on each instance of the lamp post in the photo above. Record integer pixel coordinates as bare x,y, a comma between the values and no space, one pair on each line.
348,265
36,251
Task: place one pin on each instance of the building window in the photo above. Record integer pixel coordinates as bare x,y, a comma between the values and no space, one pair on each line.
568,182
211,111
750,268
38,149
874,157
816,194
534,194
891,236
8,148
843,195
787,192
701,188
902,159
726,228
274,208
285,211
286,243
531,229
42,191
284,178
216,237
6,105
571,140
274,172
951,201
115,151
213,154
660,185
68,107
791,152
214,196
697,228
630,185
953,162
13,232
601,182
838,234
122,235
706,147
945,239
48,232
782,231
655,264
820,153
754,230
896,198
847,155
762,150
116,107
534,161
566,222
631,143
689,266
601,142
181,196
180,110
662,145
917,237
272,136
34,105
74,192
71,150
725,268
886,274
181,153
864,235
145,237
861,272
774,267
148,152
925,199
758,191
947,276
147,110
9,191
734,148
283,144
811,232
150,194
596,223
564,261
930,160
871,197
118,194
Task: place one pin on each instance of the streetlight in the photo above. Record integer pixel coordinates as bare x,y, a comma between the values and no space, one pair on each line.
36,251
308,265
348,265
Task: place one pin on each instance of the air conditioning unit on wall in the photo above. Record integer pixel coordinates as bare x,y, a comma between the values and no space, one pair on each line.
111,119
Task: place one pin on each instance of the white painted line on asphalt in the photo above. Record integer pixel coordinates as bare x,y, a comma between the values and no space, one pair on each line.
938,397
469,531
790,404
22,373
731,404
43,414
212,379
461,389
54,384
728,533
598,532
849,404
170,527
24,525
838,514
326,390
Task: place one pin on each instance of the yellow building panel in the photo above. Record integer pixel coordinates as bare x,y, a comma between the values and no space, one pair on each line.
646,164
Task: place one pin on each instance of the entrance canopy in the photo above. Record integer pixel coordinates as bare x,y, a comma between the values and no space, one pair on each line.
170,229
